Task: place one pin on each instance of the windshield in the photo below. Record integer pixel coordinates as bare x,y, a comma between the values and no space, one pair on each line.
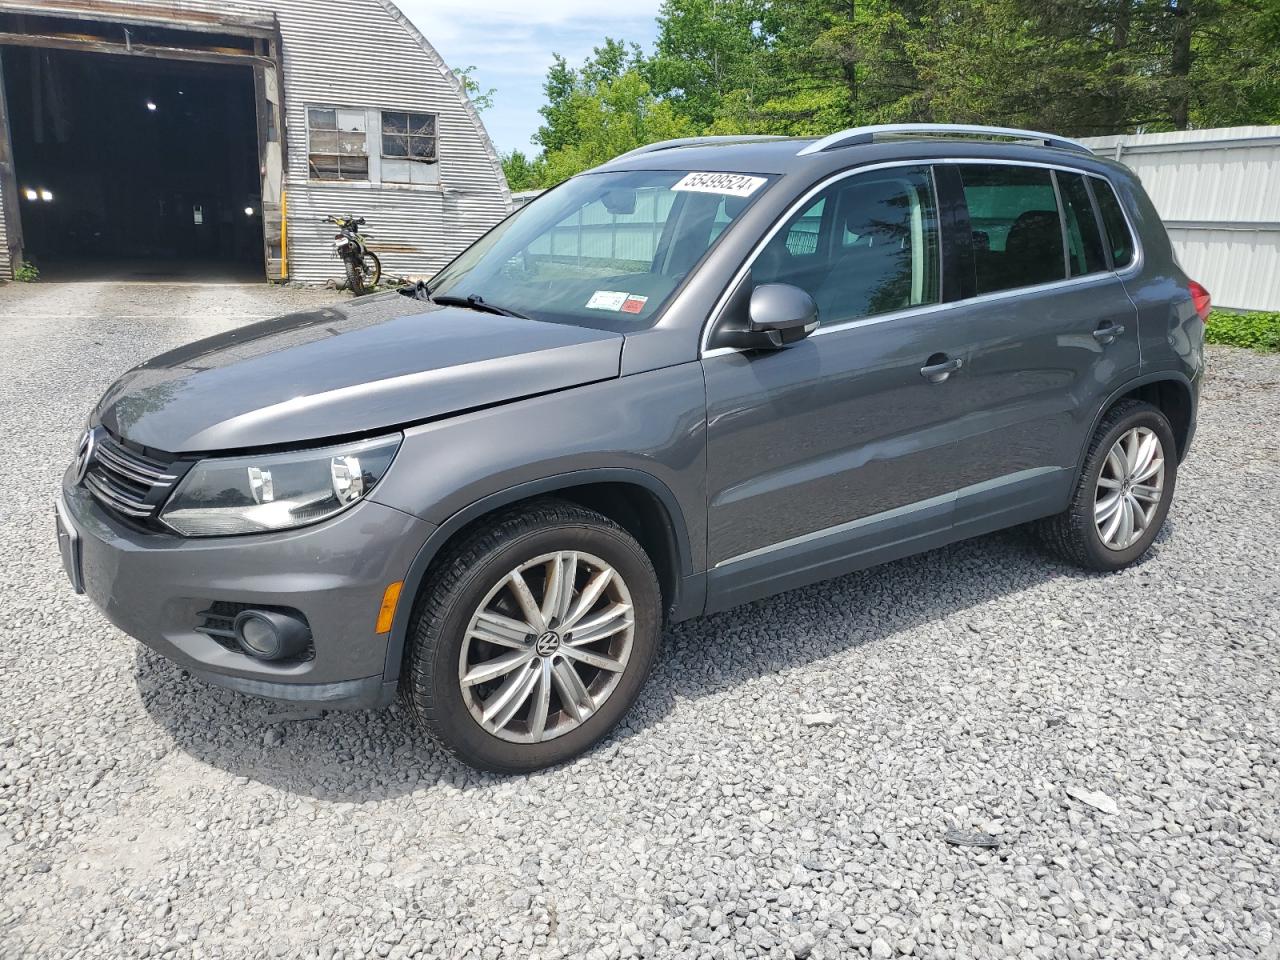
603,250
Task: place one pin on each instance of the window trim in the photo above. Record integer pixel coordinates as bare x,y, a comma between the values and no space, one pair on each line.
705,351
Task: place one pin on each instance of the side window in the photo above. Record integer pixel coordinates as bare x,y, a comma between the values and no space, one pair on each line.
1084,242
337,147
1113,221
409,148
1017,233
867,245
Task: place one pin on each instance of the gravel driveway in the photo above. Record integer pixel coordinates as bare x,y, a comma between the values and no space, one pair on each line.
784,788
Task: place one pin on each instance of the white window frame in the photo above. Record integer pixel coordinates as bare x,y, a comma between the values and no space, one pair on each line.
433,165
373,148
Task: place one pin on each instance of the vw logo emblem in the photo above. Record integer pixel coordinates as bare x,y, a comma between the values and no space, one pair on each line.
547,644
84,455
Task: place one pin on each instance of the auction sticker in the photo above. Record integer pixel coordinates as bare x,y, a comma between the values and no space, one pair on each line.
730,184
606,300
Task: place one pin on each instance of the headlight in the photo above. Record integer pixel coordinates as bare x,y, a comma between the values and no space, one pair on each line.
276,491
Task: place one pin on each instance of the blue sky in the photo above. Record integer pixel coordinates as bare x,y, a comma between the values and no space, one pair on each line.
510,42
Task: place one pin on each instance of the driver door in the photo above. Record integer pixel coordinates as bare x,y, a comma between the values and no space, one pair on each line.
837,452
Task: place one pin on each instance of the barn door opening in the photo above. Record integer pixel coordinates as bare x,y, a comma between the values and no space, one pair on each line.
136,168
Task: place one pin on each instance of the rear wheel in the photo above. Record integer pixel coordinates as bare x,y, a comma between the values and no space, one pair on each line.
533,637
1124,491
355,277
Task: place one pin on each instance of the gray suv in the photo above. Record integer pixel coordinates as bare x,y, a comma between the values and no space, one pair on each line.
705,372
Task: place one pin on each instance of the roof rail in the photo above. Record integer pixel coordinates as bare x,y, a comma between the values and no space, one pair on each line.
694,142
856,135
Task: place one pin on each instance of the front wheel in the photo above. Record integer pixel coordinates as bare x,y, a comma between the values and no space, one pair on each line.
372,269
1124,491
533,637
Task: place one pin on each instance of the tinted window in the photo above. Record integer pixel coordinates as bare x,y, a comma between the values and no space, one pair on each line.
1017,233
1084,242
867,245
1113,221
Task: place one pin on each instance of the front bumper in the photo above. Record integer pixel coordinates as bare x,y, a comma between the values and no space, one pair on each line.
153,586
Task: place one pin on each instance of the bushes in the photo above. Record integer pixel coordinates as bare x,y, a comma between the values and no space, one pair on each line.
1261,331
27,272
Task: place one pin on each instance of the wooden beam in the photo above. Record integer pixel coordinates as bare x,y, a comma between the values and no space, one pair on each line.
87,45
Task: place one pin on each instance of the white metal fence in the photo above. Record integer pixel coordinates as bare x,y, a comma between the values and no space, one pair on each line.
1218,192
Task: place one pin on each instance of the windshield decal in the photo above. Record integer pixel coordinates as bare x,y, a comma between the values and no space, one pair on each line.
606,300
730,184
634,303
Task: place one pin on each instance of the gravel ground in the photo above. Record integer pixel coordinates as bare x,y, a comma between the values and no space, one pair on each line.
785,788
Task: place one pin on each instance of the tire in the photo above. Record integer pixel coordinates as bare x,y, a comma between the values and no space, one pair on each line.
355,277
447,638
1074,534
372,270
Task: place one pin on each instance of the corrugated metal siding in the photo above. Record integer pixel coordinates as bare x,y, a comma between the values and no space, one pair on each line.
6,262
364,53
1218,192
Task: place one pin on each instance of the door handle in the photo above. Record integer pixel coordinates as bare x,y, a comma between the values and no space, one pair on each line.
1108,332
939,367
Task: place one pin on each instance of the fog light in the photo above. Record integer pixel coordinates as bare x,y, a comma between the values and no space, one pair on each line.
270,635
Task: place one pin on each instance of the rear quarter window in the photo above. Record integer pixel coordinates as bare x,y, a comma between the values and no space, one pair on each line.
1119,239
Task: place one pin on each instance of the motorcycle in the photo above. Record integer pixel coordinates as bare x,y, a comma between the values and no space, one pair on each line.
363,267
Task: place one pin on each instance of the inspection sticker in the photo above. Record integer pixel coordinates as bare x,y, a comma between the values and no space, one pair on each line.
634,303
730,184
606,300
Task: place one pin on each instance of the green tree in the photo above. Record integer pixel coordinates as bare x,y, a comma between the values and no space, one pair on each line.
567,88
618,115
521,172
480,98
706,51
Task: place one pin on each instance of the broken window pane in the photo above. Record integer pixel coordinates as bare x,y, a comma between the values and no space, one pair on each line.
422,124
355,168
394,146
395,122
423,148
324,167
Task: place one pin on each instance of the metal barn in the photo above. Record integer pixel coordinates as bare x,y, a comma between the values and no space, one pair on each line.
200,139
1218,192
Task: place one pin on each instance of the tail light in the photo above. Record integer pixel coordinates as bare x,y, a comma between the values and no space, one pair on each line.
1200,299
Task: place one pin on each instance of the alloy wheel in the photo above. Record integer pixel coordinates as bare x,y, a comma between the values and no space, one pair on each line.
546,647
1130,488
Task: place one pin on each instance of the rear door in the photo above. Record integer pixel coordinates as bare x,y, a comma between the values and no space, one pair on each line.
1050,332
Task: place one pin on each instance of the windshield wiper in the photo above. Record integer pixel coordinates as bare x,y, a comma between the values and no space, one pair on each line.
476,302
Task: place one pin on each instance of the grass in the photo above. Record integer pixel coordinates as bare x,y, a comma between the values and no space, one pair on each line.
1258,331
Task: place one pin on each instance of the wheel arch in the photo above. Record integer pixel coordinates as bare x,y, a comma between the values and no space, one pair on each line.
637,501
1169,391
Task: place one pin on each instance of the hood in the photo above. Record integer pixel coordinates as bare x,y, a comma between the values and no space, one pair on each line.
376,363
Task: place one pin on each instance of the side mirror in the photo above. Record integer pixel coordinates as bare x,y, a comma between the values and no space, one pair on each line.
779,314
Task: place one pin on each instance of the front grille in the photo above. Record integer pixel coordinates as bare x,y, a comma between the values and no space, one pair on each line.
125,481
